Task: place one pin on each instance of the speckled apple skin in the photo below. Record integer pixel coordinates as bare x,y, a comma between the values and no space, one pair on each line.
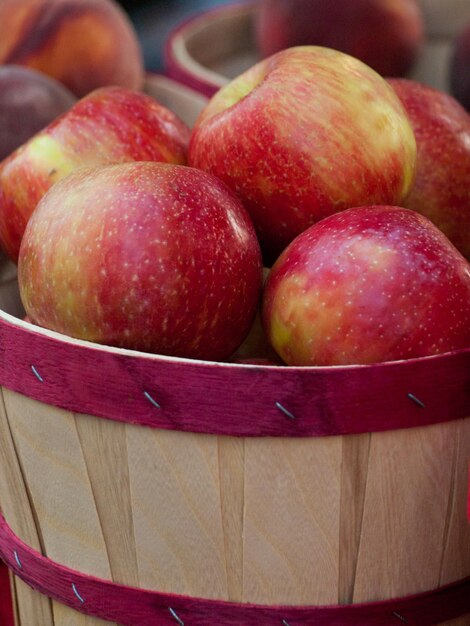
148,256
304,134
385,34
84,44
368,285
111,125
441,190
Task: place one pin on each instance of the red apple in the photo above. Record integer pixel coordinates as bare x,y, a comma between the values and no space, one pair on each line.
147,256
368,285
460,68
29,101
111,125
441,190
385,35
304,134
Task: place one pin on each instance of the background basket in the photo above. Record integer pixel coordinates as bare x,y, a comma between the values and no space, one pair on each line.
212,47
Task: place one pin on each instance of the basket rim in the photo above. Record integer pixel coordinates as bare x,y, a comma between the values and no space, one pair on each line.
57,336
182,67
233,399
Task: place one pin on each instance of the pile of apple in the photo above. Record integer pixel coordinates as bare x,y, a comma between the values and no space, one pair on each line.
132,230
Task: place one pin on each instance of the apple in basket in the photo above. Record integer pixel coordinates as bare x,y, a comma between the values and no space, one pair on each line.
110,125
147,256
367,285
385,35
441,190
304,134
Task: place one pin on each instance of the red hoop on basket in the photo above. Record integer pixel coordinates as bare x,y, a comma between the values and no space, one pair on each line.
139,607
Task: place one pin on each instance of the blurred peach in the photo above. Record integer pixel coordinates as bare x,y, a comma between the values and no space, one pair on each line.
84,44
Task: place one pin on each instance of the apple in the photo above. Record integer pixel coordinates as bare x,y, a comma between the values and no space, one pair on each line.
441,190
303,134
459,68
29,101
110,125
84,44
368,285
386,35
147,256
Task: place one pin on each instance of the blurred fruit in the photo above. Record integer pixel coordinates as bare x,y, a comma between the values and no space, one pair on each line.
110,125
304,134
85,44
29,101
386,35
460,68
367,285
147,256
441,190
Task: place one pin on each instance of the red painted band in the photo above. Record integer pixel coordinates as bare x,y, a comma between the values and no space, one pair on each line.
137,607
227,399
6,608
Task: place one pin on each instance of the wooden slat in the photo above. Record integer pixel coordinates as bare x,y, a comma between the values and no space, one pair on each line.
177,512
65,616
405,510
291,527
355,462
48,446
104,446
232,484
456,542
18,511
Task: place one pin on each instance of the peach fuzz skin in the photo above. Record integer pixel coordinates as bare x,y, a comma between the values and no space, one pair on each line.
84,44
304,134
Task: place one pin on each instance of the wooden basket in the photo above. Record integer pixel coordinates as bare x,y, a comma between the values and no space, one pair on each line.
229,489
213,47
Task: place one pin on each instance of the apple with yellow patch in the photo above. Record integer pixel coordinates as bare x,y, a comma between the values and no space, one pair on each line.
146,256
367,285
303,134
110,125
